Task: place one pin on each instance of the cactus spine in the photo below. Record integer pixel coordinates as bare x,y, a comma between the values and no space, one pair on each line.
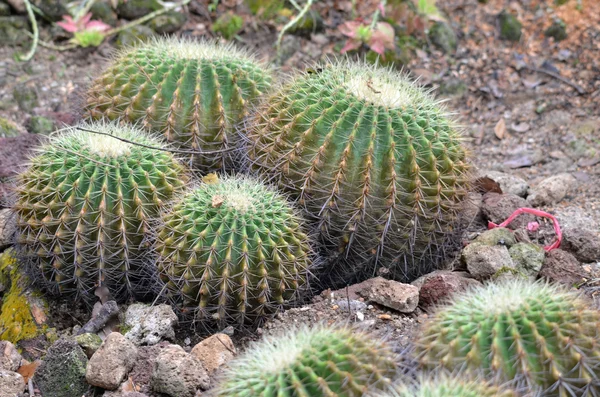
85,205
233,250
532,333
371,155
194,93
316,362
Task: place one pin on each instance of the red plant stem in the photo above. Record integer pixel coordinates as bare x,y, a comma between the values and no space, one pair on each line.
554,245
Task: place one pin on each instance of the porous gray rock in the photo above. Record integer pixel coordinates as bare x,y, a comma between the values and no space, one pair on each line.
484,261
214,351
471,211
178,374
509,184
90,343
438,286
11,384
111,363
583,243
10,358
527,258
498,207
150,324
389,293
562,267
62,372
497,236
551,190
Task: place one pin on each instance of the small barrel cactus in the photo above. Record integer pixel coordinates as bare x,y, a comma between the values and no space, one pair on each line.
447,386
317,362
371,156
85,205
232,251
192,92
532,333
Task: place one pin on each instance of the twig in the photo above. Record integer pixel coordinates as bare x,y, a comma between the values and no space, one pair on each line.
579,89
50,46
155,147
376,14
291,24
36,34
146,18
107,312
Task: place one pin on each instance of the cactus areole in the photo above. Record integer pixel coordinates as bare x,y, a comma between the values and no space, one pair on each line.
371,156
84,209
192,92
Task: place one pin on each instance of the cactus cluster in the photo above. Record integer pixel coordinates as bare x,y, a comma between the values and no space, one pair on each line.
317,362
85,205
457,385
372,158
233,250
534,334
192,92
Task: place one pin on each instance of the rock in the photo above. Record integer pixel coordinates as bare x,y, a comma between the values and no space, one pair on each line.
52,9
111,363
13,30
562,267
169,22
558,30
62,372
471,211
178,374
149,324
4,10
11,384
438,286
510,27
509,184
18,6
310,23
10,358
393,294
134,35
214,351
484,261
105,313
552,190
7,228
14,156
442,36
102,11
26,97
228,25
498,207
90,343
497,236
584,244
289,46
119,393
133,9
528,258
40,125
8,128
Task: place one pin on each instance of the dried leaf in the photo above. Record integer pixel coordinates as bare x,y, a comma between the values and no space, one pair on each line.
28,370
486,185
217,201
500,129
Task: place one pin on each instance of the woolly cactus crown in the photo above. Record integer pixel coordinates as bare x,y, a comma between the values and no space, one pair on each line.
317,362
457,385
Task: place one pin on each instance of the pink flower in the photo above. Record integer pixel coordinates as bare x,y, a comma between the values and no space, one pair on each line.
83,24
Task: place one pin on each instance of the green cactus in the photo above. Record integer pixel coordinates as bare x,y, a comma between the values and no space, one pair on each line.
447,386
372,155
536,334
311,362
85,205
232,251
194,93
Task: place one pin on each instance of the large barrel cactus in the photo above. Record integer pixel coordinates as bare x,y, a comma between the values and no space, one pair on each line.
192,92
232,251
371,156
85,205
311,362
534,334
456,385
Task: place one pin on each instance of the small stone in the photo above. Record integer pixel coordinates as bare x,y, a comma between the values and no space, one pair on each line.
111,363
134,9
384,317
170,22
102,11
7,228
214,351
393,294
62,372
52,9
471,211
498,207
438,286
18,5
310,23
355,305
562,267
558,30
11,384
509,184
8,128
510,27
150,324
442,36
134,36
552,190
485,261
178,374
4,10
528,258
40,125
584,244
90,343
10,358
26,97
497,236
13,30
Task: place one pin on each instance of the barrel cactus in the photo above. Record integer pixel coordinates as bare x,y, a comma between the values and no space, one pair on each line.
84,209
445,386
317,362
232,251
535,334
375,160
192,92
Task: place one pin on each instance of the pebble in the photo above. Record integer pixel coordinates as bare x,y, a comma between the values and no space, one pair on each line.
393,294
509,184
552,190
11,384
214,351
111,363
66,358
498,207
485,261
178,374
562,267
440,285
583,243
150,324
10,358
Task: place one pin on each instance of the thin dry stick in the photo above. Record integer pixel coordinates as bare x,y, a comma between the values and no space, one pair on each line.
146,18
154,147
35,35
289,25
579,89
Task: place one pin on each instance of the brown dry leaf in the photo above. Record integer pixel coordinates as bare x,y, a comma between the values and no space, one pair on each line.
27,370
217,201
500,129
485,185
